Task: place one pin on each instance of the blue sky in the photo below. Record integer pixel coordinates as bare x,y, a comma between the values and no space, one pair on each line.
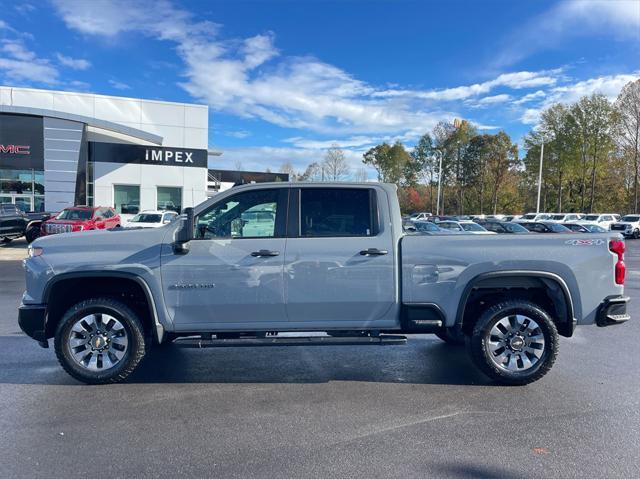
286,79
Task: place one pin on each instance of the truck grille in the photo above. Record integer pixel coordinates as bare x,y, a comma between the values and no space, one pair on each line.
619,227
54,228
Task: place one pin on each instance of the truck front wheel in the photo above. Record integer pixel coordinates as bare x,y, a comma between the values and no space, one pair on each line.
514,342
100,341
32,233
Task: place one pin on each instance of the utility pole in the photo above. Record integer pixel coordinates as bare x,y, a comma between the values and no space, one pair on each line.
439,183
540,177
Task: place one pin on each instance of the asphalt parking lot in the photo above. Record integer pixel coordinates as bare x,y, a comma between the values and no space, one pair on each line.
419,410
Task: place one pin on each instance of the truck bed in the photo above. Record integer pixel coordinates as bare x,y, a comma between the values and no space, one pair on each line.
438,269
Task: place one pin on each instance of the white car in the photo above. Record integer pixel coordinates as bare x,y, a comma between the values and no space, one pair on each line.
151,219
605,220
420,216
533,217
565,217
629,226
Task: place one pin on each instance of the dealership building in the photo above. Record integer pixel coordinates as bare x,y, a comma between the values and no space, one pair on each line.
60,149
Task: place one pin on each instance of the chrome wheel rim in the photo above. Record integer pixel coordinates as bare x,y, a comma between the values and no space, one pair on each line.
516,343
98,342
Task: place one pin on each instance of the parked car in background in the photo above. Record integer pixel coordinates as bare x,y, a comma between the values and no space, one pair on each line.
629,226
15,223
566,217
579,228
420,216
605,220
544,227
474,228
451,226
81,218
504,227
151,219
535,217
428,227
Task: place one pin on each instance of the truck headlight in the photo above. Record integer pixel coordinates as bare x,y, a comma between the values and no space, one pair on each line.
34,251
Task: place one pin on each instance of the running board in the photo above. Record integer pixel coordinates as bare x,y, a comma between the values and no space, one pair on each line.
291,341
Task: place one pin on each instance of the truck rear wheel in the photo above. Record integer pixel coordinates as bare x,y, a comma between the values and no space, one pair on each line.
100,341
514,342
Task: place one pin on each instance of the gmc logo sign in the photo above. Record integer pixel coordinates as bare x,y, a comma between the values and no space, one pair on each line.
15,149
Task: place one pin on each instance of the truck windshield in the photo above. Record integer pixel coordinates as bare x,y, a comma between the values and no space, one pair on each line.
558,217
73,214
529,217
631,218
592,217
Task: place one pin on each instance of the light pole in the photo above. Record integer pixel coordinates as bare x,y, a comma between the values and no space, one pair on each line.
540,177
439,182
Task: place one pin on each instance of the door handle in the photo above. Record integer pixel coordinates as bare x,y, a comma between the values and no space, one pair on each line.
373,252
265,252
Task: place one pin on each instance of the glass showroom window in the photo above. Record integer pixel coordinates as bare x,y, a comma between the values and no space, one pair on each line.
126,199
169,198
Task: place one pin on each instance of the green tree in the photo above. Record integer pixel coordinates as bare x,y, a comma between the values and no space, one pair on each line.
393,163
628,130
425,156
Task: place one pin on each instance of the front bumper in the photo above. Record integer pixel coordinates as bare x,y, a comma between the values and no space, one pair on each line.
613,310
31,319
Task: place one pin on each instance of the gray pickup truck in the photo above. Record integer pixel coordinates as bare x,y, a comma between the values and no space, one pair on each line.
260,260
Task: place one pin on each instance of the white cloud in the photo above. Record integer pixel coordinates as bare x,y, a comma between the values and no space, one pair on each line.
24,8
74,63
250,78
608,85
259,158
19,64
530,97
489,101
514,80
17,50
530,116
572,18
237,134
118,85
354,141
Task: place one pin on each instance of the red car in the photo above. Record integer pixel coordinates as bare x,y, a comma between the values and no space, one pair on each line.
81,218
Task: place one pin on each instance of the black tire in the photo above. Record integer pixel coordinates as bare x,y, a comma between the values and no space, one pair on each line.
453,336
137,346
32,233
478,342
636,234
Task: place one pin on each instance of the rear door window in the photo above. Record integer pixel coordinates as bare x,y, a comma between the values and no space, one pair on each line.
331,212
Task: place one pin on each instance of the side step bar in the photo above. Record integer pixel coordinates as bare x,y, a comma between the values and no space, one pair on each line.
381,340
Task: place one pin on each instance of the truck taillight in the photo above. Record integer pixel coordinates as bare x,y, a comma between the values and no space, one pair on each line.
617,247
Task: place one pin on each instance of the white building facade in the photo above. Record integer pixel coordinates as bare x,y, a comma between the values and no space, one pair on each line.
59,149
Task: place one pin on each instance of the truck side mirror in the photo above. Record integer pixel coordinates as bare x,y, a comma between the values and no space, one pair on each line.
184,233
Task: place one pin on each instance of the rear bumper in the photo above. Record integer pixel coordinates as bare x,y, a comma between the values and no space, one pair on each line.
31,319
613,310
